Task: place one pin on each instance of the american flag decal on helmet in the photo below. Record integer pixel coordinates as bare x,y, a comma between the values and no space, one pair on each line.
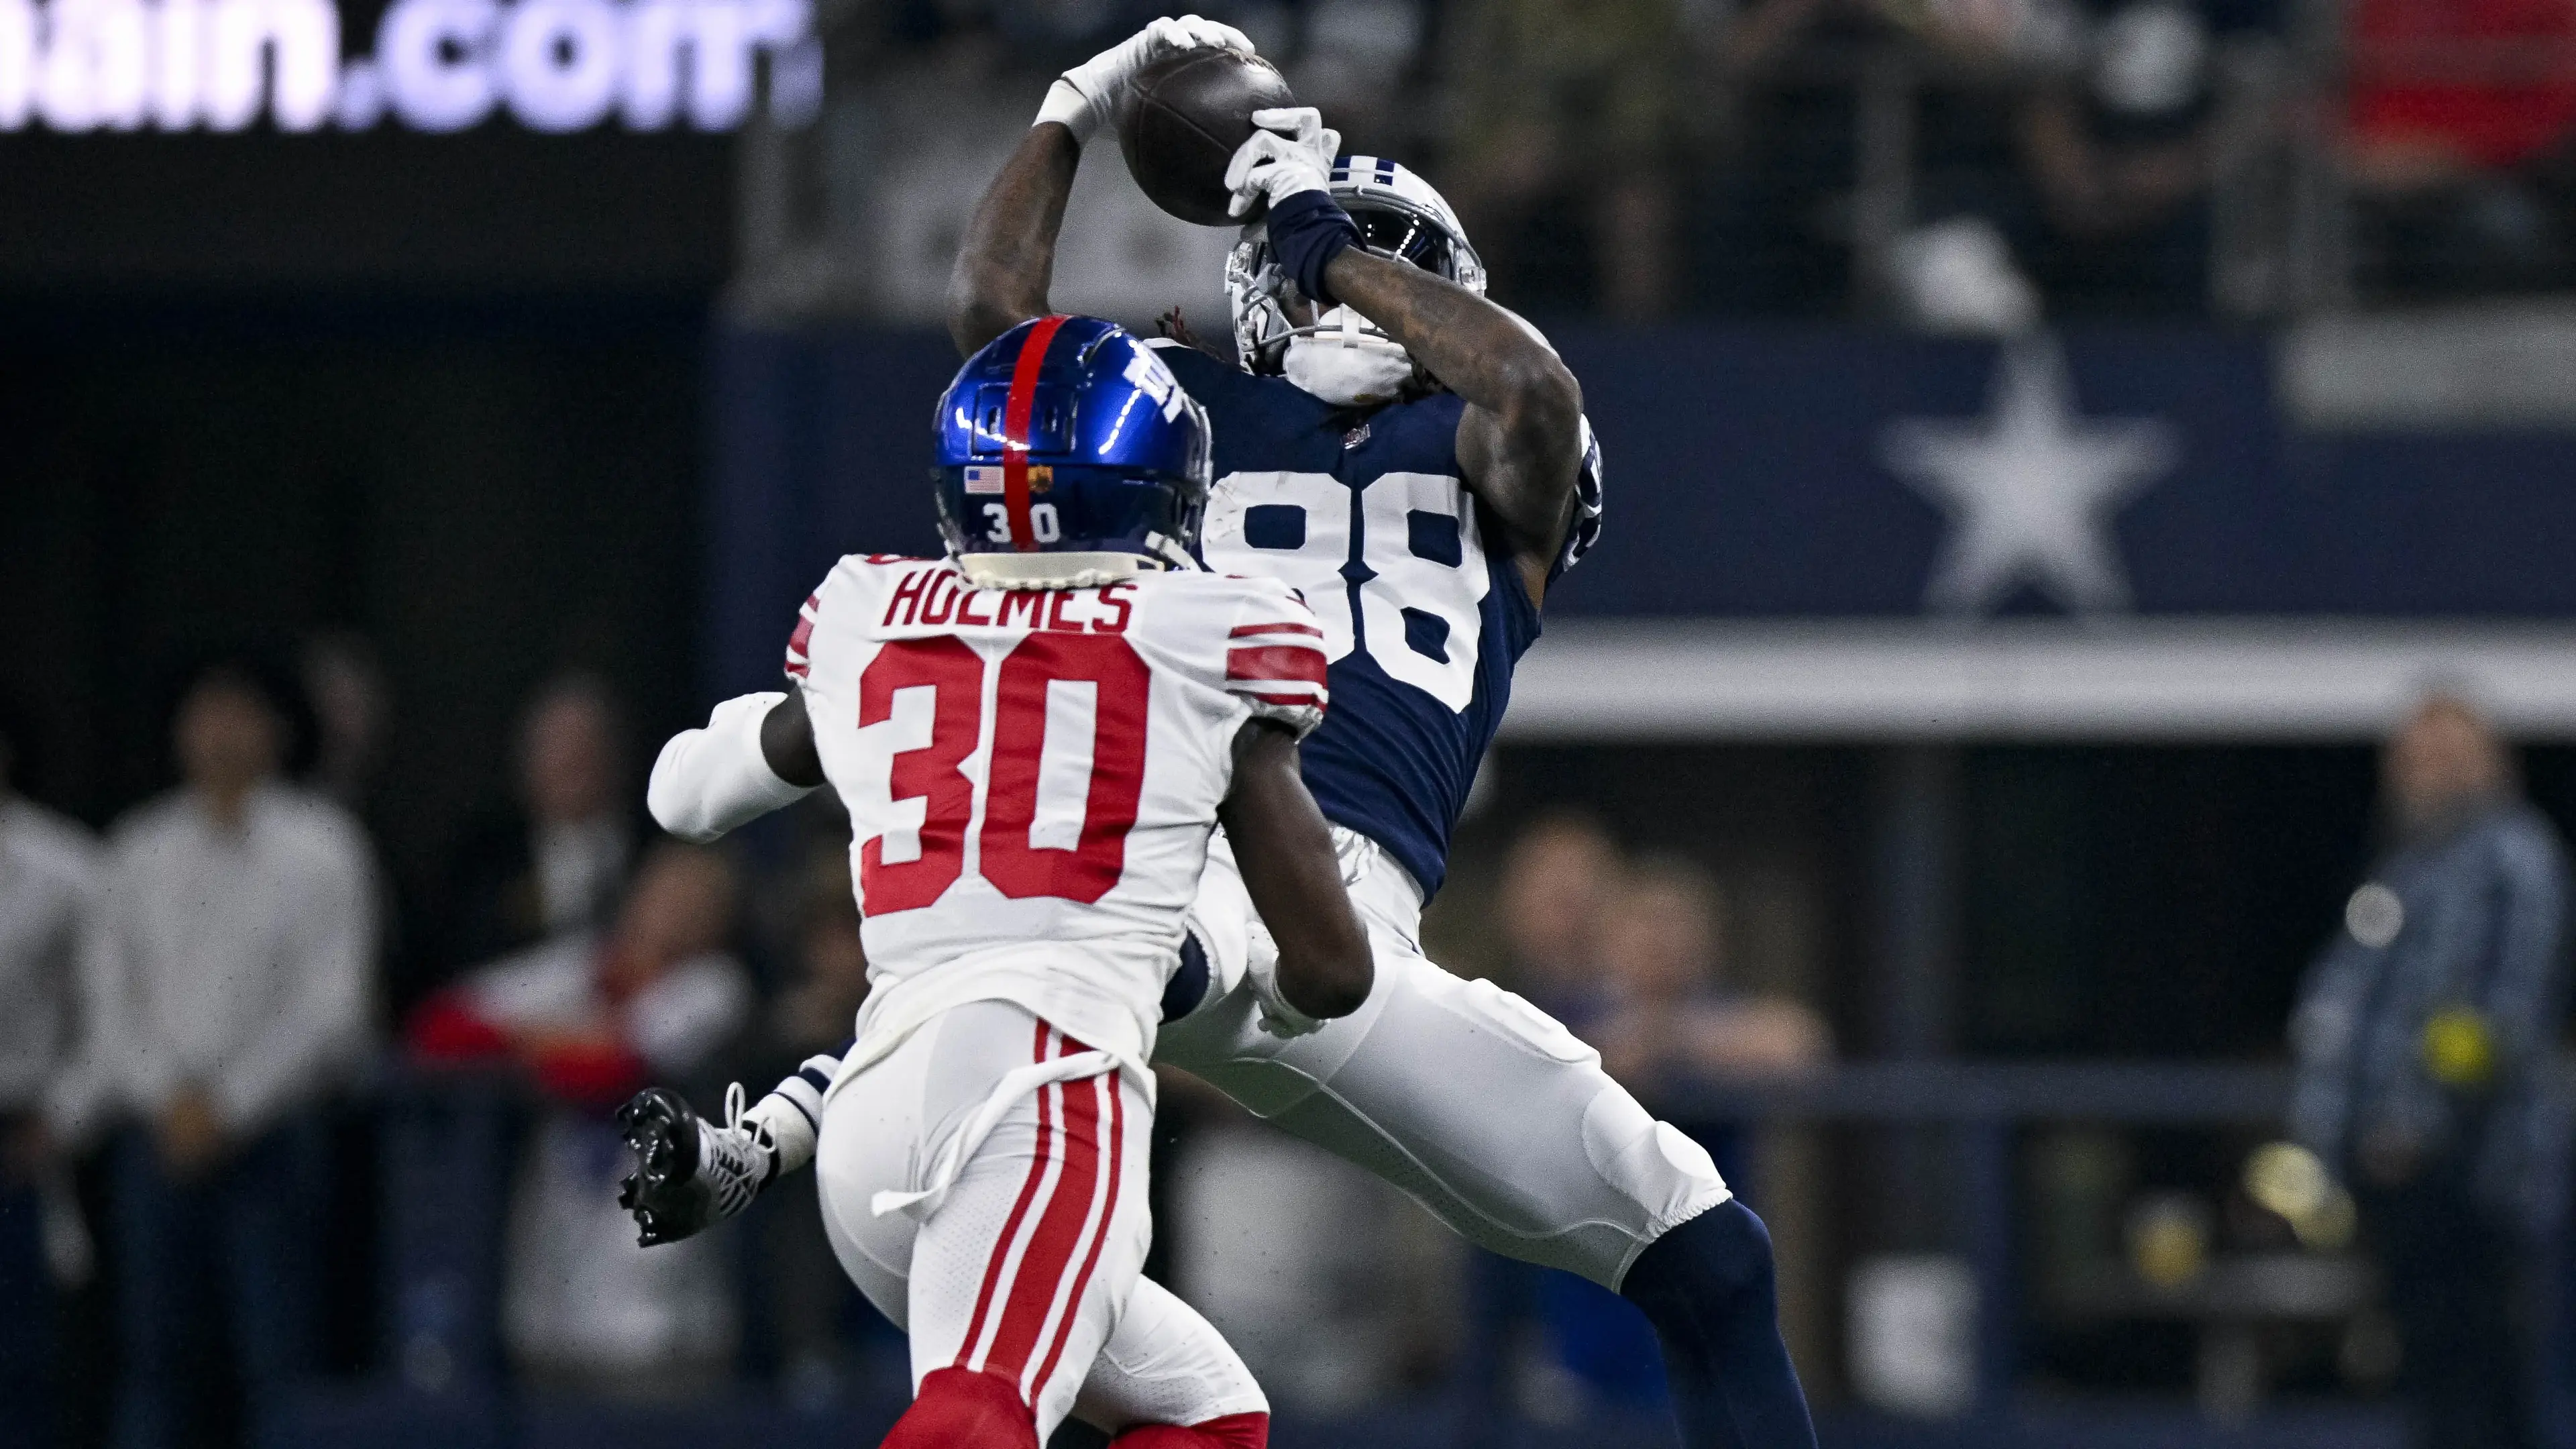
980,479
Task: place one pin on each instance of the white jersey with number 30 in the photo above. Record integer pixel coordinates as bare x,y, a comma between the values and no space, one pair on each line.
1032,776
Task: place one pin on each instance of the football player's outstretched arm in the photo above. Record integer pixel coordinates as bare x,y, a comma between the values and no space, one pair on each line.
1008,257
1521,437
1286,853
787,742
754,755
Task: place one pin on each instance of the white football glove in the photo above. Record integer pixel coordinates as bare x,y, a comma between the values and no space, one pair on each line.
1086,97
1292,152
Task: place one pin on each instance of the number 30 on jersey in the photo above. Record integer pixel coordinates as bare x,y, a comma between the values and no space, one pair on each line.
1068,843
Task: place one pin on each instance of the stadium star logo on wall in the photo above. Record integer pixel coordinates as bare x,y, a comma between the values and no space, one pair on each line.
2030,490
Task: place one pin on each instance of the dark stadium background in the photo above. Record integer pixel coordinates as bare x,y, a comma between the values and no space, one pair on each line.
505,405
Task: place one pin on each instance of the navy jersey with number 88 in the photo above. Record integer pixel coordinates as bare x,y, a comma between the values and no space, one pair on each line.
1424,612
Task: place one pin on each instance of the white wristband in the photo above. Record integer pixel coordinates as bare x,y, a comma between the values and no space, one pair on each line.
1068,107
710,780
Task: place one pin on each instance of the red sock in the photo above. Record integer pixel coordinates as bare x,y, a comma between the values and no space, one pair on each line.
961,1409
1234,1431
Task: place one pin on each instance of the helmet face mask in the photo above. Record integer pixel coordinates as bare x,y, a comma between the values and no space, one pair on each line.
1413,234
1082,465
1400,217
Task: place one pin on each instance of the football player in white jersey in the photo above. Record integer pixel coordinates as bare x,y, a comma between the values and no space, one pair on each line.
1414,457
1035,738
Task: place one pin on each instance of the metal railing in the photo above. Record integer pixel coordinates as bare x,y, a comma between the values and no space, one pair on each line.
1981,1107
447,1155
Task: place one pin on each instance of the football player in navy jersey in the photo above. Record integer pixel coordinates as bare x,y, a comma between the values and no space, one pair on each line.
1414,460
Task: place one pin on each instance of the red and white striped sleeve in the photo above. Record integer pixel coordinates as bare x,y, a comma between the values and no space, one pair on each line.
1274,658
798,665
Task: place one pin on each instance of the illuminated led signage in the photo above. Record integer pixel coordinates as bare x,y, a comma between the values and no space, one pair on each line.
437,65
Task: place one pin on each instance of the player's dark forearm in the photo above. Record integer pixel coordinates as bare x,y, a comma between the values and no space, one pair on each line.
787,742
1286,854
1008,258
1474,347
1483,354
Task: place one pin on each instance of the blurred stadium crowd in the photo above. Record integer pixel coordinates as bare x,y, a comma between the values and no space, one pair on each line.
273,1115
1974,165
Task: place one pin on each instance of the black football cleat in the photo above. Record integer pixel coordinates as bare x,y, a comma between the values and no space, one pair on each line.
689,1175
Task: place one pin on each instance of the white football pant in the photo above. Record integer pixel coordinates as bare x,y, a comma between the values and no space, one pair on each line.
1003,1225
1483,1108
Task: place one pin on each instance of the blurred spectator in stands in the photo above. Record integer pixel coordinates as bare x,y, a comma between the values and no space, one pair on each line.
556,862
232,979
1780,225
807,1293
1671,1019
1569,104
1556,887
2118,148
2461,113
820,1007
1666,1021
1357,59
1336,1289
346,683
2423,1035
48,885
593,1016
352,708
1557,883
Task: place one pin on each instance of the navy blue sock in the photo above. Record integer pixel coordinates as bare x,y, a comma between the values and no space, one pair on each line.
1707,1287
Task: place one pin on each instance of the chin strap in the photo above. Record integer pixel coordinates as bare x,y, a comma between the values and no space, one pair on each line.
1350,330
1072,570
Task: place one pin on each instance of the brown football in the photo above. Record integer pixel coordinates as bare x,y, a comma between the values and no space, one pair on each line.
1183,118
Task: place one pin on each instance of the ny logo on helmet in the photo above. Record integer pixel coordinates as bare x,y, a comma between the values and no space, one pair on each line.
1156,381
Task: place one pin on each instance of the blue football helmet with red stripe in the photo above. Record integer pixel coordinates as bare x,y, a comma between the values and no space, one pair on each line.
1069,456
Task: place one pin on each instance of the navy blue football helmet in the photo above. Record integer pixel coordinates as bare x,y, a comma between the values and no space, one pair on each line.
1069,456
